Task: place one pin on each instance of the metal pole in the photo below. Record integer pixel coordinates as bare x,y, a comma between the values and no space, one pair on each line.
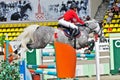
7,48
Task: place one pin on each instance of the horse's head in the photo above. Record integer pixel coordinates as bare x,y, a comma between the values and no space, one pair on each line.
94,26
25,8
28,6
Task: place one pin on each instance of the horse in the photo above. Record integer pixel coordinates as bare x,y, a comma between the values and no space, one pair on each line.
64,8
37,37
22,14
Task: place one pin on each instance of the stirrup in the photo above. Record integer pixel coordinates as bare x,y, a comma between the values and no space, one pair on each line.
72,35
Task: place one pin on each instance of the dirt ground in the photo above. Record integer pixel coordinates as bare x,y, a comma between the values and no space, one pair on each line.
110,77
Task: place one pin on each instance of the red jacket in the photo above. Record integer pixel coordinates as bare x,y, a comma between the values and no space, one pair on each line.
72,16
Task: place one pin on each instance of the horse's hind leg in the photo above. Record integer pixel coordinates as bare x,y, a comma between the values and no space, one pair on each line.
42,43
24,42
36,46
40,39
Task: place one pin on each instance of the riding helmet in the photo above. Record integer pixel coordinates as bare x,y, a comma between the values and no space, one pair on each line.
73,5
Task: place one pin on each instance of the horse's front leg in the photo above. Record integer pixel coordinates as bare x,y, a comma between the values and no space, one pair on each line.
90,45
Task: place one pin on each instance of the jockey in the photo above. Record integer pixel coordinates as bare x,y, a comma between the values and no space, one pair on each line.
70,18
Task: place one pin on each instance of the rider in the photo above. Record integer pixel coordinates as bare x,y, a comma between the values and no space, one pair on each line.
70,18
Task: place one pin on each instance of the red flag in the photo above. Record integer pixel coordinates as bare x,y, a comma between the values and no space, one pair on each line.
55,35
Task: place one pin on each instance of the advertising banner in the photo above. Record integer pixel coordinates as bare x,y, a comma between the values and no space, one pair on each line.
37,10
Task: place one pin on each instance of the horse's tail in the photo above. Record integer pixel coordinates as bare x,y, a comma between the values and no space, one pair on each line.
27,32
27,35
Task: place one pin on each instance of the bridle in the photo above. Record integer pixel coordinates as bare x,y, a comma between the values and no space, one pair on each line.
99,31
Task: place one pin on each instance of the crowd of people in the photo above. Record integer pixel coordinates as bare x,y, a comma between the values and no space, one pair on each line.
114,9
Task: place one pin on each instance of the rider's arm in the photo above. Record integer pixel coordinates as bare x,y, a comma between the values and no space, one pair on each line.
78,19
60,17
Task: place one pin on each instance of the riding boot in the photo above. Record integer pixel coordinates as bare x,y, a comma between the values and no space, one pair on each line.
73,33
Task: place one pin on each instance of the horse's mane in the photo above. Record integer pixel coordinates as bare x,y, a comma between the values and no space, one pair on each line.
91,20
25,33
92,23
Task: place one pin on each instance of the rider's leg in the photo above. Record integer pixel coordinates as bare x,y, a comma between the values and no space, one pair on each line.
64,23
69,25
74,30
73,33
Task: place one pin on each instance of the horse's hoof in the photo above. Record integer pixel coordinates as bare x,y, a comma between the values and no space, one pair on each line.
28,46
87,51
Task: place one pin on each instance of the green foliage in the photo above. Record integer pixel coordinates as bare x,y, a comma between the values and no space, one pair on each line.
9,71
2,39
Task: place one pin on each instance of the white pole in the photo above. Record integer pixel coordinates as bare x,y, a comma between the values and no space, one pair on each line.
97,60
41,62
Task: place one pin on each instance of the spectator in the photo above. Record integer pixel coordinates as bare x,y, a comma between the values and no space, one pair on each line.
118,4
101,23
110,13
88,18
116,9
110,16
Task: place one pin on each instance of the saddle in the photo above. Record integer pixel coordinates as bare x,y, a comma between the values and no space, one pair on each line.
69,31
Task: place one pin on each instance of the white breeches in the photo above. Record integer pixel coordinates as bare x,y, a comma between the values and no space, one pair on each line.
67,24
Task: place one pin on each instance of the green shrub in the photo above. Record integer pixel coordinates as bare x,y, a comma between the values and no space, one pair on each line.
9,71
2,39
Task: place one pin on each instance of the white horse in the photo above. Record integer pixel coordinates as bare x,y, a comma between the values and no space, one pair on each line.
36,37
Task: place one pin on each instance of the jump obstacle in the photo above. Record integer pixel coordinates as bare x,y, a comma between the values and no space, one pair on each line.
71,58
40,71
78,55
54,73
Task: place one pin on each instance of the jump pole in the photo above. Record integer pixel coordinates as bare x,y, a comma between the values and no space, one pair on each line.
97,58
23,68
42,66
79,55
